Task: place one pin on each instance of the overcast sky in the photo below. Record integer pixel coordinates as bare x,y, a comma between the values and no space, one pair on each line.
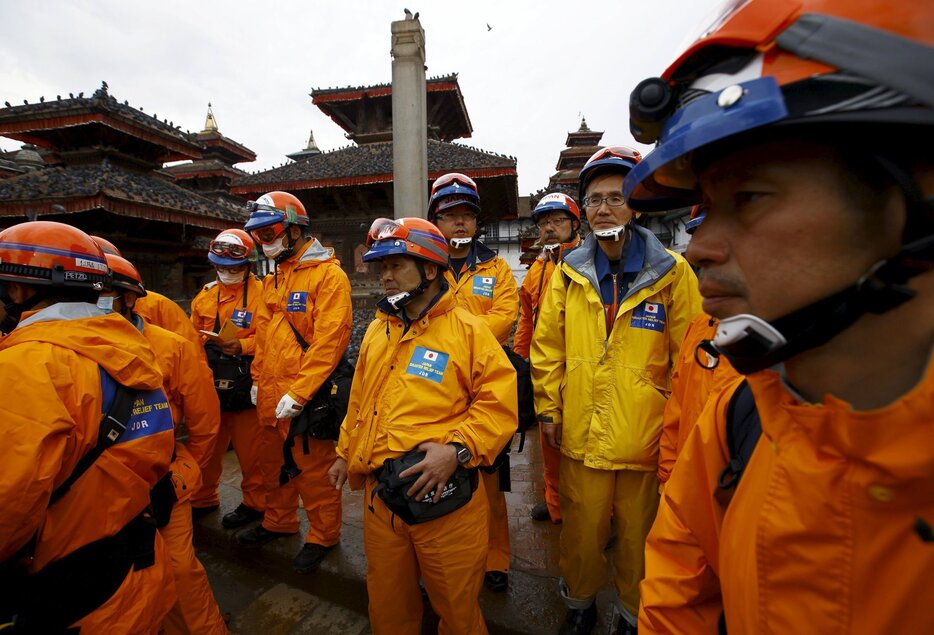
525,81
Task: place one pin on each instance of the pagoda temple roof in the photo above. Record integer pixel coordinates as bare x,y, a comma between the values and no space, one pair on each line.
372,163
225,148
202,168
117,190
447,113
77,121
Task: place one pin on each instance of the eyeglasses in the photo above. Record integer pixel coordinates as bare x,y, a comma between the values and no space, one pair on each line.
553,222
268,234
614,200
453,216
233,250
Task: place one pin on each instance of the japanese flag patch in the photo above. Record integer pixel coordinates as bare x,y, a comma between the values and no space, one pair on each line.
650,316
428,364
298,302
483,286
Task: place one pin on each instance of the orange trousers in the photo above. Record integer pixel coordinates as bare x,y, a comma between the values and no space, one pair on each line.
551,461
449,553
195,612
241,427
321,501
498,555
140,604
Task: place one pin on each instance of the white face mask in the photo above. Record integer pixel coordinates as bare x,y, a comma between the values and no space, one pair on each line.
274,249
228,277
106,303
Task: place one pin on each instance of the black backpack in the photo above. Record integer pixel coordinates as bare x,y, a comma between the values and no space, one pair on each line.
743,429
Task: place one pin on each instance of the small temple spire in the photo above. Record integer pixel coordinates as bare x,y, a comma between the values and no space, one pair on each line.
583,127
312,146
210,124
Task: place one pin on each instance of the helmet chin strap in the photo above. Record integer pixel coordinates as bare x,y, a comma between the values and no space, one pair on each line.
752,344
399,300
614,234
460,243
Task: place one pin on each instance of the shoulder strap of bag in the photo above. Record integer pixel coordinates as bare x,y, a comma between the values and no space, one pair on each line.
743,429
112,426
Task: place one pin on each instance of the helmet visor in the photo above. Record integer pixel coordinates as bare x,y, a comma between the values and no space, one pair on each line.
383,228
267,234
450,179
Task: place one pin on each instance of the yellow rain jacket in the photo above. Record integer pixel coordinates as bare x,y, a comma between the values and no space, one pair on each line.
226,302
445,379
311,292
51,406
609,391
487,289
531,293
157,309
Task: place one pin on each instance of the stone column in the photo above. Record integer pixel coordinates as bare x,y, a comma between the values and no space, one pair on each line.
409,119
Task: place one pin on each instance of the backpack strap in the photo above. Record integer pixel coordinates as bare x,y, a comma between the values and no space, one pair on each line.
112,426
298,338
743,429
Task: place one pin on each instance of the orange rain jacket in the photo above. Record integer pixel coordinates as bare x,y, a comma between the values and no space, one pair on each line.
188,384
692,385
51,407
226,302
157,309
445,380
820,534
531,293
488,290
311,292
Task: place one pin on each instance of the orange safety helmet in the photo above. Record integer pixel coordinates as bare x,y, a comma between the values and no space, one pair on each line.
780,63
278,209
107,246
415,237
556,202
46,253
232,248
125,275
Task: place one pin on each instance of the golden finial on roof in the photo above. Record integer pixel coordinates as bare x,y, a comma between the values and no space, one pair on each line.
584,127
210,124
311,142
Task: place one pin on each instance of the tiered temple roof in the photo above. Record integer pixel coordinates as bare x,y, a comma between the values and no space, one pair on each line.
365,112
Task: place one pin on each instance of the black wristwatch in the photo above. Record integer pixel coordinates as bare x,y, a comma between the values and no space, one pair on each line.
463,454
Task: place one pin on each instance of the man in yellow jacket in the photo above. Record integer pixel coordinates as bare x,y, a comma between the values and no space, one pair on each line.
237,297
807,136
608,335
558,219
76,550
482,283
430,378
307,299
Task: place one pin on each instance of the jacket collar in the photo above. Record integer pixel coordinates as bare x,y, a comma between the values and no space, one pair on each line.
656,263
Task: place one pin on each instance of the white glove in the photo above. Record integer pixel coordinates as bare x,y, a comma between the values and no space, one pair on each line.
288,408
253,391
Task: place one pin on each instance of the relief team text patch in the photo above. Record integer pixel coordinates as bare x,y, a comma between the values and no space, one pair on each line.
241,318
298,301
483,285
649,315
428,364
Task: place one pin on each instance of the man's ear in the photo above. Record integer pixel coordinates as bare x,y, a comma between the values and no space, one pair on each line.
431,271
129,299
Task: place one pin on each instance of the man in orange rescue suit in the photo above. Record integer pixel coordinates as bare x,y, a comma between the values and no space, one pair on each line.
236,296
430,378
608,335
77,545
482,283
558,219
187,383
804,128
307,297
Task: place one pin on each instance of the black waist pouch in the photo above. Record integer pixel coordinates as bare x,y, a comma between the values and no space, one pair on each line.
391,488
232,379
